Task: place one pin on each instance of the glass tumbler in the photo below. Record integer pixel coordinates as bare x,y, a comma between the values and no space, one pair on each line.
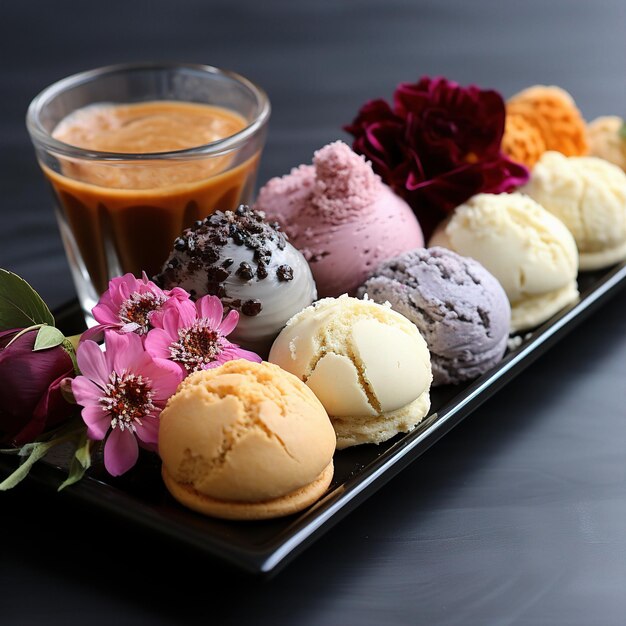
120,212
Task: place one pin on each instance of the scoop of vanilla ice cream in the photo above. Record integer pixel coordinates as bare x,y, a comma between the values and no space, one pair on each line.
529,251
606,141
589,195
368,365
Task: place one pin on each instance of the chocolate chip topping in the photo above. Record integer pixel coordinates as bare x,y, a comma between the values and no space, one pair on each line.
261,271
284,272
245,271
217,274
251,307
200,249
210,256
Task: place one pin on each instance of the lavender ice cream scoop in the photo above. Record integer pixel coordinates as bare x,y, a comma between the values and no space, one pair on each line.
459,307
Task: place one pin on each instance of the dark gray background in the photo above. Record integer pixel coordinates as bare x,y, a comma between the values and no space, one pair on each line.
519,515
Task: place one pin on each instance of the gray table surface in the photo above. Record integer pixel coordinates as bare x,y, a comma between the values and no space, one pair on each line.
518,516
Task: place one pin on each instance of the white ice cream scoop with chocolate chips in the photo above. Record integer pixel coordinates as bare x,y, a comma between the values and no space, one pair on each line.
249,264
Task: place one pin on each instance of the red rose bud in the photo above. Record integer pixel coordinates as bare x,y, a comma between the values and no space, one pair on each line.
31,400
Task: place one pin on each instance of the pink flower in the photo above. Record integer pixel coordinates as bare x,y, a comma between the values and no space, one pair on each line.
438,145
129,304
122,391
194,335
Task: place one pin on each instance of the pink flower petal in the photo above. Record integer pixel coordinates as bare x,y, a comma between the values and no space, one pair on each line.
213,364
140,362
174,315
229,323
86,391
131,327
152,288
123,351
157,343
226,354
177,294
134,353
233,352
112,293
171,322
186,311
211,308
148,431
240,353
116,345
124,287
98,422
120,451
92,363
96,333
151,447
164,376
105,312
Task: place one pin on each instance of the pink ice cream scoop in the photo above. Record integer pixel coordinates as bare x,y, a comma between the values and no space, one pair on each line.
341,216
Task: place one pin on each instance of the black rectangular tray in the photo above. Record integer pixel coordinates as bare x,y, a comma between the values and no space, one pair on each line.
266,546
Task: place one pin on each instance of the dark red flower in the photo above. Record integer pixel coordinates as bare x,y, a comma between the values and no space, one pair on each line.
31,401
438,146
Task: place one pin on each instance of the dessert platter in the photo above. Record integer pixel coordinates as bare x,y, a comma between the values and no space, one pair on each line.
289,353
267,546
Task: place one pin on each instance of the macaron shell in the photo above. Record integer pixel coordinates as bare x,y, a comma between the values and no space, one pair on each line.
288,504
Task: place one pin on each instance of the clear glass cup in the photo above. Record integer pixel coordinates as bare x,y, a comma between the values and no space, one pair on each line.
120,212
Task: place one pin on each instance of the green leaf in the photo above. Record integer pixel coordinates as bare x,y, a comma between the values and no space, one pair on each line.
83,451
23,332
74,340
75,432
622,131
20,304
70,348
48,337
37,451
81,461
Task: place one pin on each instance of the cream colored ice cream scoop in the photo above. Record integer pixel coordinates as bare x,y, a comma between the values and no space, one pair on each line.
589,195
607,139
529,251
369,366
